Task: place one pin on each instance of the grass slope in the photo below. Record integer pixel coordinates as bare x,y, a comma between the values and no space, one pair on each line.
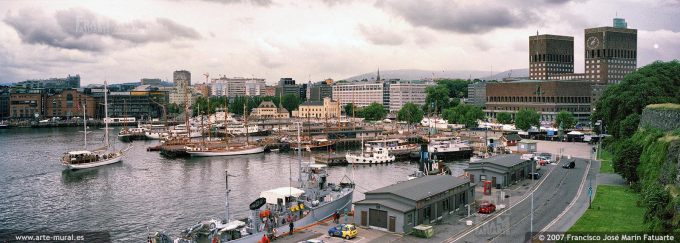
606,164
614,210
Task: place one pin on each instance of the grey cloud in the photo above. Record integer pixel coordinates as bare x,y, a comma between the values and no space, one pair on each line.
254,2
460,18
452,16
81,29
380,36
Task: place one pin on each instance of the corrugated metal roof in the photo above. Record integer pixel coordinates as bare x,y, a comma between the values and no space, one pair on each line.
421,188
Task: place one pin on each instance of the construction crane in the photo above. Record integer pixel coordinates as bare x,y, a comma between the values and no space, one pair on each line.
207,75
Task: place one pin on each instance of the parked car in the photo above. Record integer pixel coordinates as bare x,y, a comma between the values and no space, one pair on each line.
542,160
487,208
569,165
347,231
535,175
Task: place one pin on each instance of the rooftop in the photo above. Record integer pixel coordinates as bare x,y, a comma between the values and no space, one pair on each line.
312,103
512,137
421,188
505,160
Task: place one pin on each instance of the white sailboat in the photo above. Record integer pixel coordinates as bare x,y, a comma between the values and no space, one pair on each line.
83,159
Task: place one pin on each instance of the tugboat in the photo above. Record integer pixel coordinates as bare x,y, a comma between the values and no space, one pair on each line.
314,200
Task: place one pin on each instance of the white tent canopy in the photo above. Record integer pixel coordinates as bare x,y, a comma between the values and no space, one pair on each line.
575,133
282,192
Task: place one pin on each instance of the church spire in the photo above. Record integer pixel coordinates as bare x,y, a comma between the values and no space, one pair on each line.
378,77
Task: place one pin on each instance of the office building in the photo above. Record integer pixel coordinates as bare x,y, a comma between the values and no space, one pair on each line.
181,78
138,104
318,109
360,94
402,92
546,97
425,200
70,82
70,103
270,90
255,87
26,104
287,86
610,52
477,93
550,55
182,91
320,90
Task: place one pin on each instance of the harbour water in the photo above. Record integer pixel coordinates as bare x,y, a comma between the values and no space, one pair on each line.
146,192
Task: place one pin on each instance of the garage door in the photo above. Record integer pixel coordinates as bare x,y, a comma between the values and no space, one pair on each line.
377,218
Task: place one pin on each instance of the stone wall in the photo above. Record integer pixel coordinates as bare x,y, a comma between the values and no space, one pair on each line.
666,119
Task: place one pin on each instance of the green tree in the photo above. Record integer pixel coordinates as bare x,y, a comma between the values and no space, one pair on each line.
349,110
464,114
458,88
437,98
658,82
626,159
410,113
565,119
504,118
291,102
374,112
526,118
660,209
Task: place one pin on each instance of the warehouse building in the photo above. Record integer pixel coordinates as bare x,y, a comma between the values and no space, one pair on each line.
400,207
502,170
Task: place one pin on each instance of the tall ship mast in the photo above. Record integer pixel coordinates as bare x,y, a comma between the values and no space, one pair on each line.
83,159
314,200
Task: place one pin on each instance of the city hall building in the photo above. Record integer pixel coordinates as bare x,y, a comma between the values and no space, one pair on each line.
547,97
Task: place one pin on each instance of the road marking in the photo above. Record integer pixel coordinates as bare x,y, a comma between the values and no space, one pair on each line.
467,232
573,202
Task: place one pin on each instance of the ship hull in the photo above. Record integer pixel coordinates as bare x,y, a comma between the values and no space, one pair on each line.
255,150
453,155
353,159
316,214
94,164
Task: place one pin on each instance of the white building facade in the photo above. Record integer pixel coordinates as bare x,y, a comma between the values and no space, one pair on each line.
238,86
402,92
360,94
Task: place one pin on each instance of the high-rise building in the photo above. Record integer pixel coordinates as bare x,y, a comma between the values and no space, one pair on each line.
550,55
4,102
477,93
610,52
181,78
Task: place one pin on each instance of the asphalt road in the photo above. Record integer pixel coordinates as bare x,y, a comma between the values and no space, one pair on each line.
550,199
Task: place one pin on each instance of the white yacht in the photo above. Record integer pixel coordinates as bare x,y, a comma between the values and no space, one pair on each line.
371,156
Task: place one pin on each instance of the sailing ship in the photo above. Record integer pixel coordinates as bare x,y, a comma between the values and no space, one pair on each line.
204,150
314,200
394,145
83,159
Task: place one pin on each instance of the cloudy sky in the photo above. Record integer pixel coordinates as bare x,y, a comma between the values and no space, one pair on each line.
123,41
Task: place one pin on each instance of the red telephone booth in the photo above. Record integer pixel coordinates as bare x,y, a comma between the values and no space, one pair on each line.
487,187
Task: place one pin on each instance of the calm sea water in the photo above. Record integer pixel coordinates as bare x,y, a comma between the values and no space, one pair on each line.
146,191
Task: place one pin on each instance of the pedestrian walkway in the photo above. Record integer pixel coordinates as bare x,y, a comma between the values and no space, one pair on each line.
611,179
